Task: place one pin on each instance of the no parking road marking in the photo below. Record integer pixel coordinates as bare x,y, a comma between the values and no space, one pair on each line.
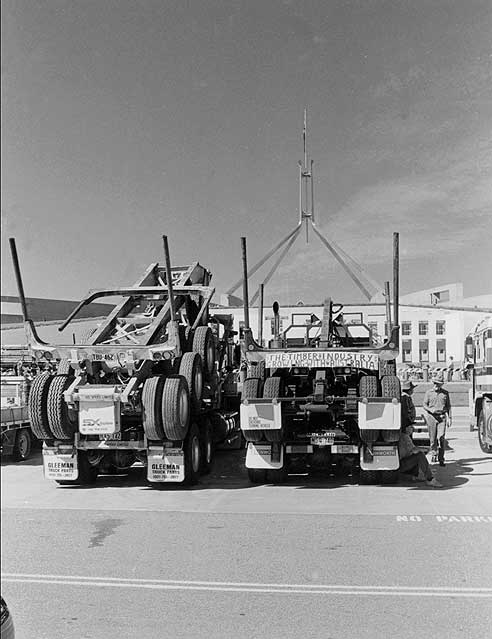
449,519
227,586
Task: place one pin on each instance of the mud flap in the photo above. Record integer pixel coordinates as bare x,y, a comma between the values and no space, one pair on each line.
260,414
60,464
165,464
378,457
266,456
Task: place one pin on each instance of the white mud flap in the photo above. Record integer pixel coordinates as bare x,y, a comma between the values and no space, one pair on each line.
379,457
260,415
99,410
374,415
267,456
58,465
165,464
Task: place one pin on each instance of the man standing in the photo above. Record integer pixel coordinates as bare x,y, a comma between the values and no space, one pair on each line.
450,369
437,406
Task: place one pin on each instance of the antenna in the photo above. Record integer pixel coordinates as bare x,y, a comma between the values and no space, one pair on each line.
363,281
306,187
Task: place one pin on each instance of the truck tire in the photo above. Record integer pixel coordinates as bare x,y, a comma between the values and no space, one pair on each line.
22,445
207,446
175,408
486,448
38,406
257,475
192,456
152,407
87,473
191,369
273,388
390,387
61,419
368,387
63,367
252,390
204,345
368,477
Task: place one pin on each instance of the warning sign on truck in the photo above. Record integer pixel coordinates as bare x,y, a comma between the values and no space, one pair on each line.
322,359
165,465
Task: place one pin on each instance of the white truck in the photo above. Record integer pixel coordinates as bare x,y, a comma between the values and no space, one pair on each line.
478,349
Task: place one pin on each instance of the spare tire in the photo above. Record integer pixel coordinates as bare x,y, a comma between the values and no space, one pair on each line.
38,406
390,387
61,419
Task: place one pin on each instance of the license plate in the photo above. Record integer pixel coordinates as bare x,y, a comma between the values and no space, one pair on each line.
322,441
110,437
345,449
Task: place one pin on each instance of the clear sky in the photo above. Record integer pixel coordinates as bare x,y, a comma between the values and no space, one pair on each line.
125,120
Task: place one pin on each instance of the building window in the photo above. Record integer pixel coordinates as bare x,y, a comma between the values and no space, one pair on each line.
406,328
441,328
440,350
424,350
423,328
406,350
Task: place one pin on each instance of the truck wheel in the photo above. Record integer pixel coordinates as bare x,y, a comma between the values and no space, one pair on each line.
207,447
192,456
252,390
389,476
87,473
273,388
486,448
191,369
61,419
257,475
63,367
368,386
204,345
152,407
390,387
175,408
38,406
368,477
23,445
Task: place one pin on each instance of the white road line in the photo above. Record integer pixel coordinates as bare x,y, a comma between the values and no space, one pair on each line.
219,586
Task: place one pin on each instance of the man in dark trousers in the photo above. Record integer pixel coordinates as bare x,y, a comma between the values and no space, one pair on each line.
412,459
437,407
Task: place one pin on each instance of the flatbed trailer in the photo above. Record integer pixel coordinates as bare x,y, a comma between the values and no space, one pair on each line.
151,383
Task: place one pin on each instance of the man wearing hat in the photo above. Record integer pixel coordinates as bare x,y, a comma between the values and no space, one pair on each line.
437,408
408,412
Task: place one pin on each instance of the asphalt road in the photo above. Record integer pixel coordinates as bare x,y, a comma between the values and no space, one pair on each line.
312,558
